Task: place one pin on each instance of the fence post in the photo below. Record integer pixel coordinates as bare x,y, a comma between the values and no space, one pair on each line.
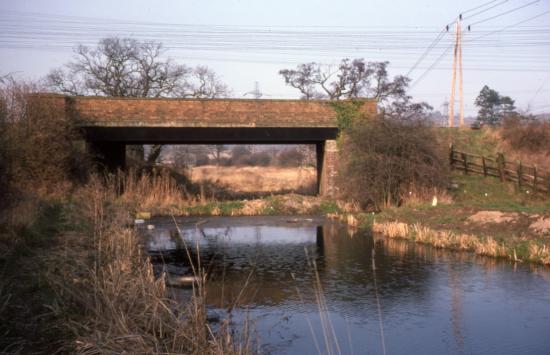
465,158
520,173
535,179
500,164
484,166
451,155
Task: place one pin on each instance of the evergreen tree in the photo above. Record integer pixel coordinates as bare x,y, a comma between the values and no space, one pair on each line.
493,107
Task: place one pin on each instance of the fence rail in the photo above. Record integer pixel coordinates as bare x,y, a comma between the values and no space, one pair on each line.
525,176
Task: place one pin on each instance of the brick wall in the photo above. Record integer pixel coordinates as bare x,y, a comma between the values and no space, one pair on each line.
46,105
94,111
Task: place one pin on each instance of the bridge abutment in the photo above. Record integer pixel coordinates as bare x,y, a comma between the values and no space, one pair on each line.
327,168
108,156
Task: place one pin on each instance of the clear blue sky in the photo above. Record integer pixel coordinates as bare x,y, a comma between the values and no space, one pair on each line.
246,41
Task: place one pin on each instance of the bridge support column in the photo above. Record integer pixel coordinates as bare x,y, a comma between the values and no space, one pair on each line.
108,156
327,168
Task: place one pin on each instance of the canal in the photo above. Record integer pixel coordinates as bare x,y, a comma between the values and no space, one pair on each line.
308,285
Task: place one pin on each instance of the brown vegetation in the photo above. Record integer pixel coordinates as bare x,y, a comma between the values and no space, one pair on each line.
528,142
107,281
97,292
386,159
38,144
73,276
467,242
258,179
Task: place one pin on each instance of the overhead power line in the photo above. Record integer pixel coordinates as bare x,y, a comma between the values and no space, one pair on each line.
538,91
479,6
511,26
485,45
485,10
504,13
445,29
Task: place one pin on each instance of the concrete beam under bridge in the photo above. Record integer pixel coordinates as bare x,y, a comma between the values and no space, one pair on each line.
214,135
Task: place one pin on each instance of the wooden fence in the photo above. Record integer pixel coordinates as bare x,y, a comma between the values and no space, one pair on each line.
525,176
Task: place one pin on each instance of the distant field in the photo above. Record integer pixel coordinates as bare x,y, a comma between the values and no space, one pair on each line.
258,179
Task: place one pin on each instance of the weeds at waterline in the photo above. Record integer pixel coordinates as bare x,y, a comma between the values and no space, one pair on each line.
465,242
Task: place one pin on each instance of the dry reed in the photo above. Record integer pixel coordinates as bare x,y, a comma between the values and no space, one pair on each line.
102,274
331,342
465,242
157,192
258,179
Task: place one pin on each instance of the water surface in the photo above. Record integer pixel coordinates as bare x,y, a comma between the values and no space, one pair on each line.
430,301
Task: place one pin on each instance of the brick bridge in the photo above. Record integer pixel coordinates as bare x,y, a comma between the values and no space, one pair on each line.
109,124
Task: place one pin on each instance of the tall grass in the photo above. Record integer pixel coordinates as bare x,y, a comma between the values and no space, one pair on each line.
466,242
156,192
106,288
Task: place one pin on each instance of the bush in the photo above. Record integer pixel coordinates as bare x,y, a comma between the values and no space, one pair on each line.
38,147
531,135
290,157
260,159
384,158
240,155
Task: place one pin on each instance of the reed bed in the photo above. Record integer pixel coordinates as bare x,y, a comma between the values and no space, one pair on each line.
466,242
108,296
156,192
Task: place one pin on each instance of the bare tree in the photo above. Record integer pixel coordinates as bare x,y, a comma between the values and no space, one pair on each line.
126,67
120,67
352,79
304,78
216,151
205,83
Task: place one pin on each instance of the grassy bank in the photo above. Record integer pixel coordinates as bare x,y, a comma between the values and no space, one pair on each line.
481,215
28,232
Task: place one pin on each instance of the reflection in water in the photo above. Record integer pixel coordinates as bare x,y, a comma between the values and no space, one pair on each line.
432,301
455,284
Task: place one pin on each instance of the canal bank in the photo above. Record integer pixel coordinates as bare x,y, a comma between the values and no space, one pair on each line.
481,215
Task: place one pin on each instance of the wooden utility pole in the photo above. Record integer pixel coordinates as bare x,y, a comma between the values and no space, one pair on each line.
461,97
457,57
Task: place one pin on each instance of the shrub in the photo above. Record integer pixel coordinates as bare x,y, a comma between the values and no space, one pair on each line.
290,157
384,157
531,135
260,159
38,142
